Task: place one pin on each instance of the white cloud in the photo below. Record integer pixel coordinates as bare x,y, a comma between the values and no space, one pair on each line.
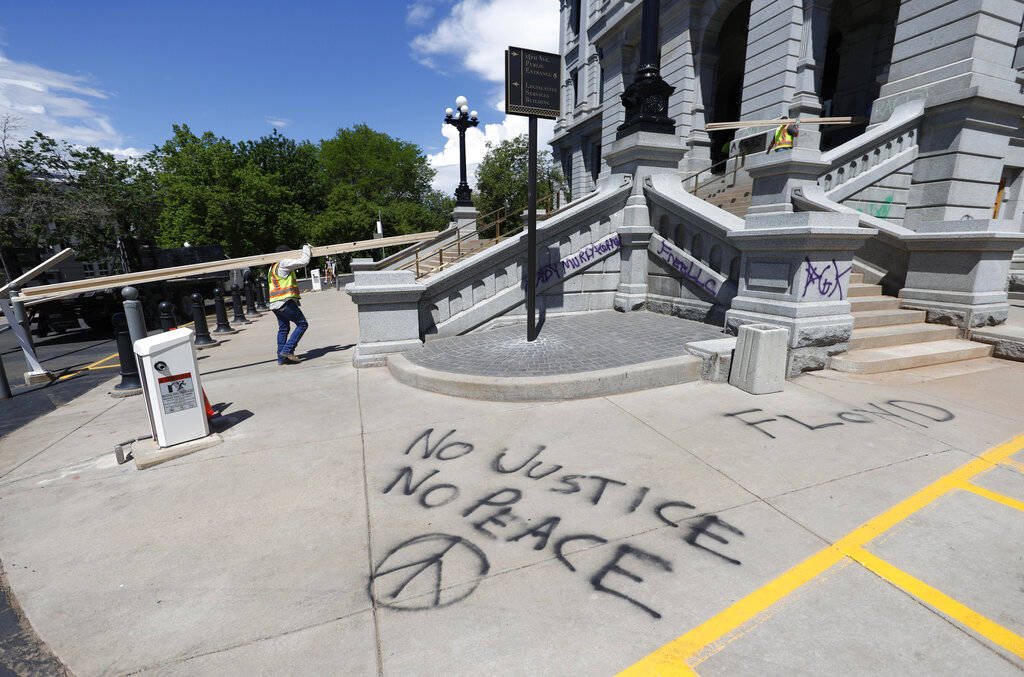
129,152
58,104
419,13
278,122
474,34
447,178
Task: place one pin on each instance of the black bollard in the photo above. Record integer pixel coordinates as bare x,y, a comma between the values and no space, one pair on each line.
130,383
261,293
236,305
199,325
222,314
250,295
167,321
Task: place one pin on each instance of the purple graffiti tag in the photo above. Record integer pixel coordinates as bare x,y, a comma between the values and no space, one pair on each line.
828,279
689,269
573,262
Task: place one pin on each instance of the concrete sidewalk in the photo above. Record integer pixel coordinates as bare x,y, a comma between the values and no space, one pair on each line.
352,525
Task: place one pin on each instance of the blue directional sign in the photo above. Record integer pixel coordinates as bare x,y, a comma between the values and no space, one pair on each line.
532,83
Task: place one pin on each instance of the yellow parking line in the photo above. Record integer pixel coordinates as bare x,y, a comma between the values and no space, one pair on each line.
95,365
992,496
983,626
88,366
675,658
1013,465
671,659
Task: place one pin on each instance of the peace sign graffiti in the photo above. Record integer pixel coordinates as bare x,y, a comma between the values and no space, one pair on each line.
417,567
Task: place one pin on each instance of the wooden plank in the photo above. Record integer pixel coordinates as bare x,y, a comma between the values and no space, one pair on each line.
38,270
742,124
141,277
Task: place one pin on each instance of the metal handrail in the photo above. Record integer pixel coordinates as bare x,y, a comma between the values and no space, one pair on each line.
742,157
552,201
476,220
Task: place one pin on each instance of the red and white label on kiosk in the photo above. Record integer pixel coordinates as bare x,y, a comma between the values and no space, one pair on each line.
174,393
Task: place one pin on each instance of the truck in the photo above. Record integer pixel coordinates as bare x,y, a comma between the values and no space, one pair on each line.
95,308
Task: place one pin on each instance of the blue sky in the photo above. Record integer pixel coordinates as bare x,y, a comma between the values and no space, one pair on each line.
118,74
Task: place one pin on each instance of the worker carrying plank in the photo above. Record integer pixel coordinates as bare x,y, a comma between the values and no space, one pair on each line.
284,301
786,129
784,135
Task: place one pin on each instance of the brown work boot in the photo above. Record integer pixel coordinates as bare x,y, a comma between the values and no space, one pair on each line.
289,357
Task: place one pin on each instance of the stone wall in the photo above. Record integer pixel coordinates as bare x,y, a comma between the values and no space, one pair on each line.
672,292
490,284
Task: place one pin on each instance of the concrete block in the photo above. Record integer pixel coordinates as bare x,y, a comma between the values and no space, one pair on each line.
147,453
716,356
362,265
389,315
760,359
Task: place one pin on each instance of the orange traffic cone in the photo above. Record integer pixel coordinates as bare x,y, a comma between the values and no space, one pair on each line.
210,413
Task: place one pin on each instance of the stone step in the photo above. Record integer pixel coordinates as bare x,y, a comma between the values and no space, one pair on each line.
863,303
856,278
894,358
861,289
428,263
880,318
899,334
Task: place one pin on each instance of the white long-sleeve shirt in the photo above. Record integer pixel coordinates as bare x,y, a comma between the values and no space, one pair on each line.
286,266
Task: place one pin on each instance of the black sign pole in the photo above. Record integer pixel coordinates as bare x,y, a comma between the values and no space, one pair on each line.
531,234
531,89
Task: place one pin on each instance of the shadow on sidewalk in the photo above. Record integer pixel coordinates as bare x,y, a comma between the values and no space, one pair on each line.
320,352
222,421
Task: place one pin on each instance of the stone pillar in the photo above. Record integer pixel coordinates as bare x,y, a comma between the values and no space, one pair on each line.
640,154
389,319
807,97
635,237
465,219
960,62
699,156
958,270
774,48
795,265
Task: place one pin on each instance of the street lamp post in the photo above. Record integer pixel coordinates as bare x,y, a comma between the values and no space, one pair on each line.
646,99
462,119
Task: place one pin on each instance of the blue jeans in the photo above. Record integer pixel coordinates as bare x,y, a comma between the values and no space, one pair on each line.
289,313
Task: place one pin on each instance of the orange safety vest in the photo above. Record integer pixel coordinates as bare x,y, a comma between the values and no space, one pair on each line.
282,288
783,139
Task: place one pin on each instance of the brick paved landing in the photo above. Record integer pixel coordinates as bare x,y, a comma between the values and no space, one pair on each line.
566,345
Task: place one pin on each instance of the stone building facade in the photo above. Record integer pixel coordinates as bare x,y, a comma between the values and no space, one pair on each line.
762,59
899,229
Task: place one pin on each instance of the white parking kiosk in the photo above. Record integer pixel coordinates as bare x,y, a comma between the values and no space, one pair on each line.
174,393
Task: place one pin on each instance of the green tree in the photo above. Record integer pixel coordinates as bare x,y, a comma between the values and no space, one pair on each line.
248,197
54,193
198,176
371,173
501,178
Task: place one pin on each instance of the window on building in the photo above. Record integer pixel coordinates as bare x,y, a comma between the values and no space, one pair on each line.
574,19
97,268
567,169
595,160
575,87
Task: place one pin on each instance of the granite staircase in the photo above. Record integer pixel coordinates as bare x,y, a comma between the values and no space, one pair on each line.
889,338
734,199
444,257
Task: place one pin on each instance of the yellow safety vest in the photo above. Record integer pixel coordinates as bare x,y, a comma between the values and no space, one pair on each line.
282,288
783,139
